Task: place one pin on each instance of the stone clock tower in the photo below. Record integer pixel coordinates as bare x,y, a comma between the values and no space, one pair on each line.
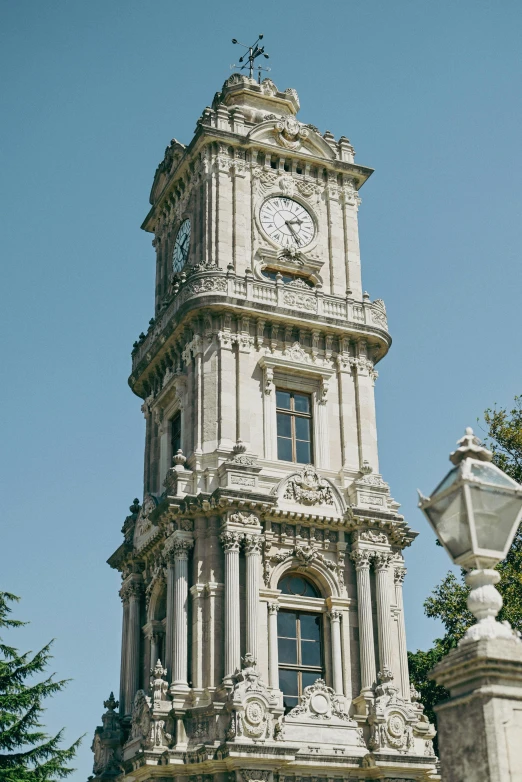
263,627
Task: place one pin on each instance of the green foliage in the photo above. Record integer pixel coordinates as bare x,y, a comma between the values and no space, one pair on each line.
447,602
27,754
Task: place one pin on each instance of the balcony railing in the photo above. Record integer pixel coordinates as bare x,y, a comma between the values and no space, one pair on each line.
293,296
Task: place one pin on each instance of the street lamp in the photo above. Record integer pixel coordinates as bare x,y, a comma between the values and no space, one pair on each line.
475,512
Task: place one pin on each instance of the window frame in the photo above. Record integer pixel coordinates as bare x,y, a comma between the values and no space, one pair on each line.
299,667
292,413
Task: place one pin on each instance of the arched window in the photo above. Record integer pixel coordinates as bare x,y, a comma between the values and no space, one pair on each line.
300,642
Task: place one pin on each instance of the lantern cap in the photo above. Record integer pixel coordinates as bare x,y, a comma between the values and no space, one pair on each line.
470,447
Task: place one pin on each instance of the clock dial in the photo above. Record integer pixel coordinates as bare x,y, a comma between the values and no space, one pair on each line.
287,222
181,246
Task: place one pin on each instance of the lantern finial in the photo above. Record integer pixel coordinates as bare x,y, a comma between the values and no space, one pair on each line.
470,447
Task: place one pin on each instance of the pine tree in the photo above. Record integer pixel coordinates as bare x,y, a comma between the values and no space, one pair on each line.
447,602
27,753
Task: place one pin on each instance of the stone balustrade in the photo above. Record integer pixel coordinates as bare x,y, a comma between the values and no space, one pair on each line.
295,296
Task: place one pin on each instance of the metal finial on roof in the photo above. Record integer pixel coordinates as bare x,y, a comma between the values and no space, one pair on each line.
254,52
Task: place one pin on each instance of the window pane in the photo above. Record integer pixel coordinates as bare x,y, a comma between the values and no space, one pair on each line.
287,624
176,433
302,428
288,682
284,449
310,678
303,452
283,399
287,650
310,627
301,403
311,653
284,425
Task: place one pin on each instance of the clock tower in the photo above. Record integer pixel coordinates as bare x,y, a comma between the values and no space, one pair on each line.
262,570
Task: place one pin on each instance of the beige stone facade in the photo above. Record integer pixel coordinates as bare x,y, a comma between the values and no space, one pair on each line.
263,626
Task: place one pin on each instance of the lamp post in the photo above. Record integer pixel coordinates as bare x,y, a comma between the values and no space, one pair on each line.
475,512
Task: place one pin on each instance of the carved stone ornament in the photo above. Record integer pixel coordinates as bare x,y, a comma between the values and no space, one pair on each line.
238,454
305,555
308,488
370,536
290,133
251,704
392,718
107,743
245,519
158,683
297,353
141,717
320,703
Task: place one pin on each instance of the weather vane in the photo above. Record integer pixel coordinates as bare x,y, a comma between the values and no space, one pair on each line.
254,52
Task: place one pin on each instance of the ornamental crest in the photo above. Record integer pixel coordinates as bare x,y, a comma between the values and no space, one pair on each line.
393,719
290,133
320,703
308,488
251,704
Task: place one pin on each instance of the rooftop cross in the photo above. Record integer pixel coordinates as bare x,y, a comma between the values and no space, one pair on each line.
254,52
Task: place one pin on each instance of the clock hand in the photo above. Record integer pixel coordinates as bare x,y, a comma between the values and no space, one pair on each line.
289,224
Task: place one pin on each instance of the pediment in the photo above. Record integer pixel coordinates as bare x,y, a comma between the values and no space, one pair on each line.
307,490
286,133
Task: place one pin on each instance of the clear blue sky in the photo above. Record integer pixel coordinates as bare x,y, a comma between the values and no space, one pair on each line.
429,94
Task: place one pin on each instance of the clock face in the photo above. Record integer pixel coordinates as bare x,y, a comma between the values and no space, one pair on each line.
181,246
287,222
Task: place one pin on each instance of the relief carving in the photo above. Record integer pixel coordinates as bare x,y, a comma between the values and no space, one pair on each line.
308,488
319,702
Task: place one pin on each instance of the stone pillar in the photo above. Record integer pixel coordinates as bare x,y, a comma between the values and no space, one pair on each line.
134,590
273,655
197,592
154,648
169,632
337,667
480,726
124,640
181,548
253,560
382,578
231,542
398,577
361,559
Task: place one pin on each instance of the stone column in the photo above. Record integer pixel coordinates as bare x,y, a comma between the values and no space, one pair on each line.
337,668
273,654
124,633
134,590
398,577
253,559
382,578
181,548
154,648
169,632
197,592
361,559
231,542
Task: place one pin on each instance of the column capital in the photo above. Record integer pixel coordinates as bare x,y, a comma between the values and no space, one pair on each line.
334,616
253,543
382,560
181,547
273,608
399,574
231,541
131,589
361,558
